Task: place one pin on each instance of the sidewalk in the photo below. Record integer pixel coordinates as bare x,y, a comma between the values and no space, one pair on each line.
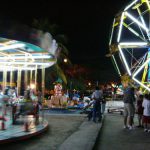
84,138
114,137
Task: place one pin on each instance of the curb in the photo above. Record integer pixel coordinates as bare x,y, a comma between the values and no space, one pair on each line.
84,138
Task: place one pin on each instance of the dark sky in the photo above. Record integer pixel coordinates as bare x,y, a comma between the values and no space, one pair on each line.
87,25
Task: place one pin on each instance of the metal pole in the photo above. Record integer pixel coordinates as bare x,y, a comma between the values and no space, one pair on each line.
35,77
19,82
30,77
43,82
11,78
26,80
4,80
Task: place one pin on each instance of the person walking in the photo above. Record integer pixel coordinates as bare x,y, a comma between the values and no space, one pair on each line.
97,97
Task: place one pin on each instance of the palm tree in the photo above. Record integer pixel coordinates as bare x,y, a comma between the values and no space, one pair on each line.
56,70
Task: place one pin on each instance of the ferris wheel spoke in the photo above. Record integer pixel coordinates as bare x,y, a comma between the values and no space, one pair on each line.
111,35
136,21
134,32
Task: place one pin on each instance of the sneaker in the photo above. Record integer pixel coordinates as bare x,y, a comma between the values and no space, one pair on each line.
145,130
148,131
125,127
130,127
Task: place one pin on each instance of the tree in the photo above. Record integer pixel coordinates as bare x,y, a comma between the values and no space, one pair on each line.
56,70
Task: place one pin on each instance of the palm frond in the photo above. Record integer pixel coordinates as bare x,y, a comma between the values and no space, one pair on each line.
61,73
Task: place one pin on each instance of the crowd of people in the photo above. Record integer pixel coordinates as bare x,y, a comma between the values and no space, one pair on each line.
135,102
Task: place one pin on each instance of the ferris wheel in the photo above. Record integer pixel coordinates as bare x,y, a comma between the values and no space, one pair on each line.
129,42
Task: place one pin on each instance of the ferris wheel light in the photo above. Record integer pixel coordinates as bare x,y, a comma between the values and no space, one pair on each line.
111,33
131,29
132,33
116,65
136,21
120,27
141,84
130,5
133,43
124,60
148,4
12,46
146,62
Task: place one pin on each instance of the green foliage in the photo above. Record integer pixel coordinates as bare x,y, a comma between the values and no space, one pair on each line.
56,70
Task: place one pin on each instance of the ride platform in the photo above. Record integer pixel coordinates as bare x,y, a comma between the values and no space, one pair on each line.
24,128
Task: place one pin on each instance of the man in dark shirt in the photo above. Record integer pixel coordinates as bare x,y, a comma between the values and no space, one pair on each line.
129,108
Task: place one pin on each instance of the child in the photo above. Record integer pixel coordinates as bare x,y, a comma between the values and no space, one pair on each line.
140,110
146,112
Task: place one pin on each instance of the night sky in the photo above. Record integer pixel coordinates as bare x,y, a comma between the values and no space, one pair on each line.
87,25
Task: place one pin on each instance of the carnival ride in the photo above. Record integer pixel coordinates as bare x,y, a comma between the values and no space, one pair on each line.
129,43
20,58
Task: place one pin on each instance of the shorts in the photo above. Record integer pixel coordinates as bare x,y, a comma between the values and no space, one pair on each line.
129,110
146,119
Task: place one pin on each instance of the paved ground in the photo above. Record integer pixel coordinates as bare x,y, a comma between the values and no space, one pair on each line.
60,128
114,137
71,132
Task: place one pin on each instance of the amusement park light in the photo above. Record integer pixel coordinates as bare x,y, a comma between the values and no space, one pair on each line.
136,21
25,63
65,60
141,84
133,31
120,27
24,57
146,62
133,43
124,60
148,4
32,86
12,46
130,5
111,33
116,65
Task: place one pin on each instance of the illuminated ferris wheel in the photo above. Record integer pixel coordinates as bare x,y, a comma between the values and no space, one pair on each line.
130,42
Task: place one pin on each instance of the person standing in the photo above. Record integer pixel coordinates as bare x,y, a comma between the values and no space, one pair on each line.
129,108
140,110
103,105
97,96
146,112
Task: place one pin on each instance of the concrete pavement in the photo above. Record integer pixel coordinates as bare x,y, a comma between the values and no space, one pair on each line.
84,138
114,137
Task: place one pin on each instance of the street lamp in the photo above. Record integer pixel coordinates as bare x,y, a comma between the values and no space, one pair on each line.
89,84
65,60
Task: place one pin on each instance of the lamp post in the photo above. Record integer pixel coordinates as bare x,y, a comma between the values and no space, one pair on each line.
65,60
89,85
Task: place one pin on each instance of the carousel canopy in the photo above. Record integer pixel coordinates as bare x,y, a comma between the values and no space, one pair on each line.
26,49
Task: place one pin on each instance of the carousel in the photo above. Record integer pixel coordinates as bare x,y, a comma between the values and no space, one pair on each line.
23,52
